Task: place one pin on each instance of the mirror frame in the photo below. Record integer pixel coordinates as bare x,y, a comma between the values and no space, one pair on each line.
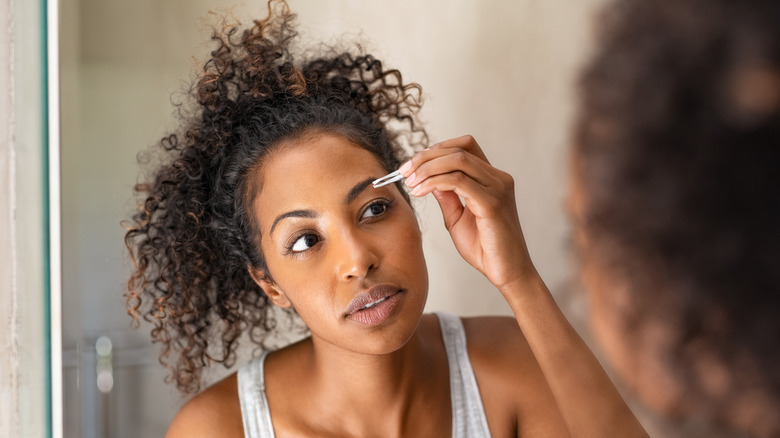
52,93
30,402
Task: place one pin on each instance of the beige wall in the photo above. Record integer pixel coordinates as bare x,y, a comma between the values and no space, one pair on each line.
502,71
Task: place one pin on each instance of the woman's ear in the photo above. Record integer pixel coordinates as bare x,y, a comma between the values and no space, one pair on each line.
269,287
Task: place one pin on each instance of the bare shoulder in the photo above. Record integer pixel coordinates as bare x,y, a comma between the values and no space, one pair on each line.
514,391
215,412
496,343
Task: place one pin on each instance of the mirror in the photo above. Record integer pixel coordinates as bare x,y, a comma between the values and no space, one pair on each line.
501,71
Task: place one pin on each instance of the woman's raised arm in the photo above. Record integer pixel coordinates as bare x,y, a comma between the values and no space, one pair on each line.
486,231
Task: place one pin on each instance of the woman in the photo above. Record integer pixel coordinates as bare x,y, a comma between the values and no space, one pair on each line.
676,202
267,202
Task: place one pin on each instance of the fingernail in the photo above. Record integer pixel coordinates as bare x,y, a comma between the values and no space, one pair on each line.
416,191
410,179
404,169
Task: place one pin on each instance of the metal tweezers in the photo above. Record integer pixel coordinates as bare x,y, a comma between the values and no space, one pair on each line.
388,179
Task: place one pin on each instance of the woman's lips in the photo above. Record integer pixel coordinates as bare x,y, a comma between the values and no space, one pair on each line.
375,306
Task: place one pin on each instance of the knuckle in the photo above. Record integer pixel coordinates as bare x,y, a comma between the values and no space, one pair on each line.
461,157
459,177
508,179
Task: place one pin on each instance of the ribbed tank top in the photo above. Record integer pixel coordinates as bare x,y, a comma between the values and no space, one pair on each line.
468,414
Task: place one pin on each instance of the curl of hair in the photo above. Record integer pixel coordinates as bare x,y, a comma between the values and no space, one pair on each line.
192,238
677,153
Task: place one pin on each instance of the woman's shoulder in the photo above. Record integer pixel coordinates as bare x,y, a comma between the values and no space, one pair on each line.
216,411
496,342
498,349
510,380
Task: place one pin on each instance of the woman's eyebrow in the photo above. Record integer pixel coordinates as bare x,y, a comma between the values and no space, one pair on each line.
294,213
354,192
357,190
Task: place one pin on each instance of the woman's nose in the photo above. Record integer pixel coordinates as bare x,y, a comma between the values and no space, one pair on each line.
357,256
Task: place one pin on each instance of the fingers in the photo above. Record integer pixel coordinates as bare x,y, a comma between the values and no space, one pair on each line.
456,165
455,161
448,157
451,208
465,142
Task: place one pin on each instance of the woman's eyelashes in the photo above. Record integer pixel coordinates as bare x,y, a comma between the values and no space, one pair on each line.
375,209
304,241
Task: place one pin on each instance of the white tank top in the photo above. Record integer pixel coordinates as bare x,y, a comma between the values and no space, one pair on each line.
468,414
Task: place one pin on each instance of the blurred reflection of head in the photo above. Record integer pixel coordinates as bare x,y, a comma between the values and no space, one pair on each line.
676,204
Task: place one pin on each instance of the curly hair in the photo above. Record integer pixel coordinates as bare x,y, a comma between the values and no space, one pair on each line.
192,239
677,156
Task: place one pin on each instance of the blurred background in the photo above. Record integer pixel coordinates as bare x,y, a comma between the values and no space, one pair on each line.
503,71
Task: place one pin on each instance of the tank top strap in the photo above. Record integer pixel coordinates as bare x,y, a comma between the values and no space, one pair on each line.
254,403
468,413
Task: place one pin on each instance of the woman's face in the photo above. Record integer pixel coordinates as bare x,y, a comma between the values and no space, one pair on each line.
348,257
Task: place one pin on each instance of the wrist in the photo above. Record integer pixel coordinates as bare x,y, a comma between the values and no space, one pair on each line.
525,285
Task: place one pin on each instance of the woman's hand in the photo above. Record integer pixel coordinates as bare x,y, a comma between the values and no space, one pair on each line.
484,226
487,233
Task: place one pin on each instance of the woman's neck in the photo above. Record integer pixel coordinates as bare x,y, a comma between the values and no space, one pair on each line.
361,394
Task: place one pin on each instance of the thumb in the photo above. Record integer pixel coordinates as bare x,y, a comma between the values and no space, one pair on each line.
451,207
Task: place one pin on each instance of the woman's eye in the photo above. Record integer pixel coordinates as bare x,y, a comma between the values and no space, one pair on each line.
304,243
376,209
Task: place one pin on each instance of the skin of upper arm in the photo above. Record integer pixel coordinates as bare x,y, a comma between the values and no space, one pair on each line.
515,393
215,412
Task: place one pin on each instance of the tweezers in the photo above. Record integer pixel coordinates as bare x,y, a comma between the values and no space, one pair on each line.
388,179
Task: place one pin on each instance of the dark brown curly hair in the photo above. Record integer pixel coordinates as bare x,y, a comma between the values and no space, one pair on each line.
192,238
677,157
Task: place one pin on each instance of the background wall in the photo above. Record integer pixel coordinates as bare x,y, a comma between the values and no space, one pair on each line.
502,71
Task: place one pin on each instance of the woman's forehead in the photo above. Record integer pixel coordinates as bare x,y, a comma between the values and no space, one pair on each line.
312,173
322,156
